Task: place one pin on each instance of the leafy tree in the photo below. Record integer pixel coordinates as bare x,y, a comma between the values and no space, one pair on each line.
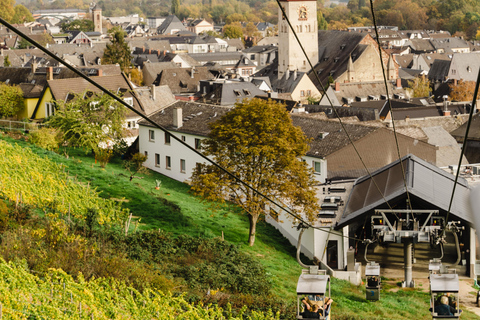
118,50
322,23
259,144
23,44
90,121
7,10
11,100
6,62
420,87
84,25
22,15
175,6
463,91
233,31
235,17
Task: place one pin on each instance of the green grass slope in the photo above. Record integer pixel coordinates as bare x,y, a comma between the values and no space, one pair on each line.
176,211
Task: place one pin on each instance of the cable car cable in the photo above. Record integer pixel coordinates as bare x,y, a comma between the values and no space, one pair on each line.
331,104
464,146
156,125
390,106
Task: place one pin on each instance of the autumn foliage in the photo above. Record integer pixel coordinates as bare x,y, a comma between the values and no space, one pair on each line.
257,142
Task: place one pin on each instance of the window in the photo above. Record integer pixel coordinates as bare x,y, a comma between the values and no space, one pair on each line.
168,162
49,109
246,92
157,160
146,154
182,165
309,93
237,93
198,144
184,138
151,135
167,138
317,168
129,101
302,93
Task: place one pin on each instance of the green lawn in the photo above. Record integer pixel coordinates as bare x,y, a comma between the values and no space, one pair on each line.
174,209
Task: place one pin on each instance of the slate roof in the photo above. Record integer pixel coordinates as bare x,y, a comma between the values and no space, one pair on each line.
14,59
466,66
425,112
439,70
171,23
447,44
421,45
473,133
217,57
236,43
429,188
196,117
185,57
261,49
180,80
405,60
334,50
336,138
151,70
227,93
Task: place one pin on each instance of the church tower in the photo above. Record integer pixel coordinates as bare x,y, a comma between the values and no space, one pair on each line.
302,15
97,18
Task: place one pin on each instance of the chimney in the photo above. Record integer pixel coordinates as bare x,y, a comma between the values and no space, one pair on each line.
295,74
1,52
287,73
50,73
153,91
399,83
177,117
34,65
149,51
454,82
193,70
337,86
100,72
446,113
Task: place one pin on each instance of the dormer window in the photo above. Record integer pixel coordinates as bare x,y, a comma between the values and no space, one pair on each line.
336,59
246,92
343,46
237,93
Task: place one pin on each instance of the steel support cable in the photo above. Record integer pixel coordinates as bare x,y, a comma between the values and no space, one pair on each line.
331,104
389,101
462,152
156,125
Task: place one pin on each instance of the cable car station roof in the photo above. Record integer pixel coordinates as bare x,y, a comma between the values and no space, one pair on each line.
429,187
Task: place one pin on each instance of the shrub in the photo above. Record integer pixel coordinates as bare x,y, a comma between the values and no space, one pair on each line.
46,138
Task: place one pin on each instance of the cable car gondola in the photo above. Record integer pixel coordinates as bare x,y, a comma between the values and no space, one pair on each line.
444,288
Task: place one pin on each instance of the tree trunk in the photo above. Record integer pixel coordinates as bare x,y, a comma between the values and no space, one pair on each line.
253,227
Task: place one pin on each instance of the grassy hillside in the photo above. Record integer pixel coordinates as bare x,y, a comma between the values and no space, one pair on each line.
175,211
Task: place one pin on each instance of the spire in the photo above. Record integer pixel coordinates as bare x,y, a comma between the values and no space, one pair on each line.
350,70
391,68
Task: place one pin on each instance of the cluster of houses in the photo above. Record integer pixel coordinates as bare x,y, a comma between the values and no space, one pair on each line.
192,78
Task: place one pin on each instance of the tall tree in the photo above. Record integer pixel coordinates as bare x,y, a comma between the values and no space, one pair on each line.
77,24
90,121
7,10
11,100
118,50
22,15
175,7
420,87
258,143
233,31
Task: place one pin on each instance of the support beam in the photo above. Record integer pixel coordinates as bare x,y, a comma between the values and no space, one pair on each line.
407,253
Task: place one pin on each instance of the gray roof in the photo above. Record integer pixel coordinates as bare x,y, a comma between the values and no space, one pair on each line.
447,44
473,133
230,92
334,50
466,66
421,45
154,44
163,98
429,188
171,23
448,150
336,137
196,117
439,70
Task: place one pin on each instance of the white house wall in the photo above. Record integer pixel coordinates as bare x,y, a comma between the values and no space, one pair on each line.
176,151
320,177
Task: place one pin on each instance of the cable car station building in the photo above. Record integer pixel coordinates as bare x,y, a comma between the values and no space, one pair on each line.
398,209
